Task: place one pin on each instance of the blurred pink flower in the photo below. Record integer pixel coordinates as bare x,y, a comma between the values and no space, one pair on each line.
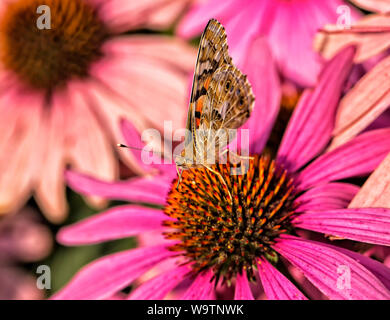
197,223
370,96
288,26
22,239
65,89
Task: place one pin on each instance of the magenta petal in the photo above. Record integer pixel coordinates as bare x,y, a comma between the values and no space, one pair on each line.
105,276
371,225
141,190
262,73
157,161
312,122
158,287
194,21
328,270
201,288
243,290
116,223
134,141
327,196
357,157
378,269
277,286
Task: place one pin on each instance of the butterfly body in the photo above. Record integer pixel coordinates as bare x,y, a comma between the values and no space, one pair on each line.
221,99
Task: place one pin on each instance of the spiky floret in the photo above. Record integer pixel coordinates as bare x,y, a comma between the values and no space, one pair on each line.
228,236
46,58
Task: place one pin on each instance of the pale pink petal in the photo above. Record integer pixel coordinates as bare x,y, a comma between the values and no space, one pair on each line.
311,125
370,35
113,109
357,157
20,159
363,103
141,190
323,266
327,196
262,74
378,269
124,15
276,285
105,276
168,50
154,83
50,188
376,190
201,288
119,222
88,148
242,290
373,5
159,286
371,225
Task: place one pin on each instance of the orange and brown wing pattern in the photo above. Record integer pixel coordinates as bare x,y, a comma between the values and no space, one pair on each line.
213,53
221,96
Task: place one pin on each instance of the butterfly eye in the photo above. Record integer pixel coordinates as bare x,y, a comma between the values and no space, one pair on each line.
241,102
227,86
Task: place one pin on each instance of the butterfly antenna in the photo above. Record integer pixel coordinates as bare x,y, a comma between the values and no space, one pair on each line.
121,145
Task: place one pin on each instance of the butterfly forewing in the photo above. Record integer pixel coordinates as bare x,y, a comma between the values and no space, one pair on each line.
221,97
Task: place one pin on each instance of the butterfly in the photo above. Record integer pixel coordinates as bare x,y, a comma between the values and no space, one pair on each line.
221,99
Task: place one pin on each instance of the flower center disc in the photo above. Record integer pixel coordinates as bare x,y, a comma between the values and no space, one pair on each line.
228,236
45,58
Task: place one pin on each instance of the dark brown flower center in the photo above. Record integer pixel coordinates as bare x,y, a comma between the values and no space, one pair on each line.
228,236
46,58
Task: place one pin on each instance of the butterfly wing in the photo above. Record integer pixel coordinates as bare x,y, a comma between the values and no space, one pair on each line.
226,104
213,53
221,96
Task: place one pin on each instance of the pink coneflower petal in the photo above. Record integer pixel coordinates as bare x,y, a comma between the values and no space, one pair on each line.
328,196
373,5
242,290
266,87
50,192
304,139
277,286
19,131
378,269
172,51
114,272
376,190
194,21
321,265
359,156
133,140
159,286
363,103
201,288
124,15
370,225
116,223
156,159
153,82
145,190
370,35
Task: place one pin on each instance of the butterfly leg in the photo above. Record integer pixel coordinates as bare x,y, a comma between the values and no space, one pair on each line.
222,179
179,173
